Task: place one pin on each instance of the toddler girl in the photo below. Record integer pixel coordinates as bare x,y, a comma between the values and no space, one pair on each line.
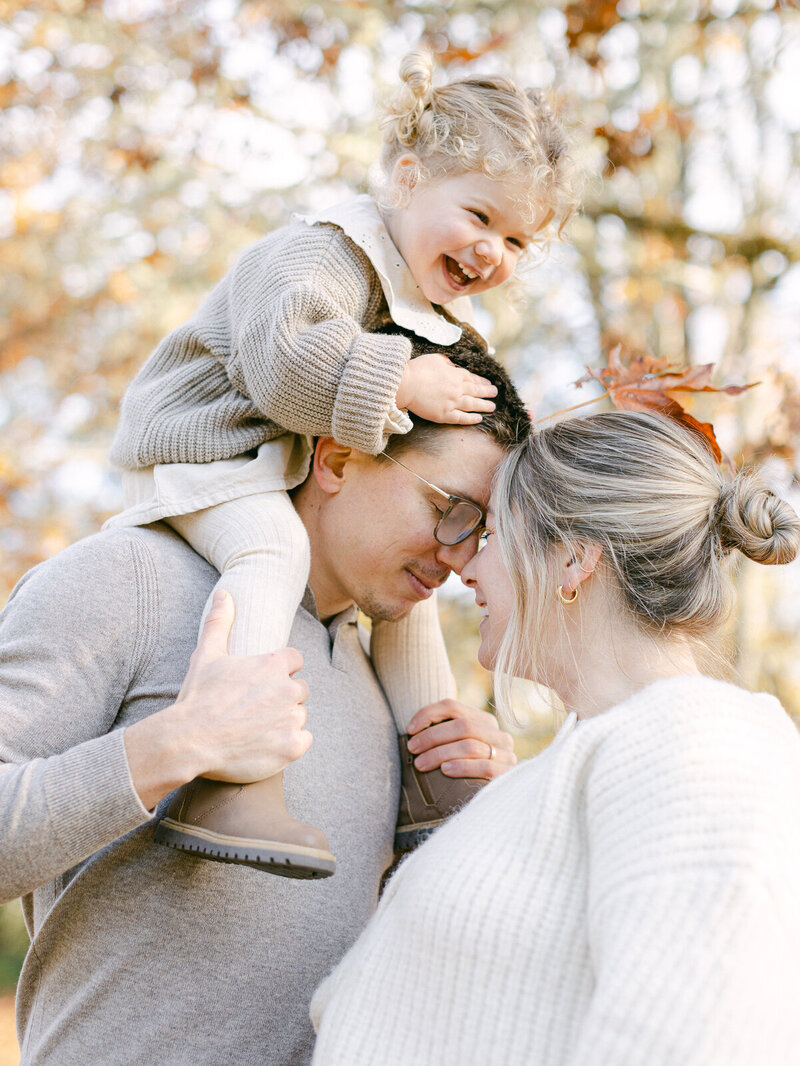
217,426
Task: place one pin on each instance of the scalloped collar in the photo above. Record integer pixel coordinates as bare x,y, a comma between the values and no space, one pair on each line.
361,221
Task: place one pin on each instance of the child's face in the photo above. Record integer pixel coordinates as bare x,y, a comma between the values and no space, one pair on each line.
459,236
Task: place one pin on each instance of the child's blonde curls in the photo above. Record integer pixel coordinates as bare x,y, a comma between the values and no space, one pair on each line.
484,124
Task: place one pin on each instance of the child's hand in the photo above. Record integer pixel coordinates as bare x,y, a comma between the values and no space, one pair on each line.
434,388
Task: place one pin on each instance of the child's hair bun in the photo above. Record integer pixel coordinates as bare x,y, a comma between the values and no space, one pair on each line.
416,71
752,519
414,98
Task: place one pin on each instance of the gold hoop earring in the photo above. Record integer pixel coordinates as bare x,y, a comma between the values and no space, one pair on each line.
567,599
580,564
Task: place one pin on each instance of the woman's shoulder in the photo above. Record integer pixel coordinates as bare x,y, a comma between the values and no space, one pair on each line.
700,734
694,702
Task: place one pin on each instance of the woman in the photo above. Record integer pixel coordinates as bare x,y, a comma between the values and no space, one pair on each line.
631,895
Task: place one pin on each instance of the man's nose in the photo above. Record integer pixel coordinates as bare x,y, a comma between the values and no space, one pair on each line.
456,556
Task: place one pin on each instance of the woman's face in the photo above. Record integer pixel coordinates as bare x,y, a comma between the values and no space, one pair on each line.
488,578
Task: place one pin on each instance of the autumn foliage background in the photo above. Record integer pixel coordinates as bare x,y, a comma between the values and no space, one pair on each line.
144,143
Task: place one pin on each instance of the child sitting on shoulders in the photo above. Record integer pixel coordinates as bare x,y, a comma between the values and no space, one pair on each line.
217,426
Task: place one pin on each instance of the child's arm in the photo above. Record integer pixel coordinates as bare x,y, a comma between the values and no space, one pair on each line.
299,349
282,338
310,366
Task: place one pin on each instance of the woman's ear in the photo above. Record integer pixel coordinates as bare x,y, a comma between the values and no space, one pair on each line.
579,565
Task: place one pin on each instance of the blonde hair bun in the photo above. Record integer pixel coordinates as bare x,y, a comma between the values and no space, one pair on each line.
752,519
416,71
406,123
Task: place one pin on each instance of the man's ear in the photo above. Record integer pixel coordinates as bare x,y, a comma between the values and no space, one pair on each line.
330,463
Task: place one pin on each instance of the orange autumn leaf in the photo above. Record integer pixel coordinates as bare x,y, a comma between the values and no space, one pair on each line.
639,381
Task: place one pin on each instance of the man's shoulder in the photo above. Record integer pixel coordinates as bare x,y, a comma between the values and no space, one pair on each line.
111,607
117,565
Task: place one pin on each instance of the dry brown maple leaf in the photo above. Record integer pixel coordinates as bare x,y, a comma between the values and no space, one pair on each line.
643,382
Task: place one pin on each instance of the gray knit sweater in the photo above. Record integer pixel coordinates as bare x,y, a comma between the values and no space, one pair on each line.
142,955
284,342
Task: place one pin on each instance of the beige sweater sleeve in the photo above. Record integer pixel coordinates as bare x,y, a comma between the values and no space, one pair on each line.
303,356
282,343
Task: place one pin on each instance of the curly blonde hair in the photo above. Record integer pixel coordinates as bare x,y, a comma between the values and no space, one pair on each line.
485,124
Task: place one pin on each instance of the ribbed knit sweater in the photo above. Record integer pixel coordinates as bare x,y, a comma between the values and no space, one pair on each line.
284,342
630,897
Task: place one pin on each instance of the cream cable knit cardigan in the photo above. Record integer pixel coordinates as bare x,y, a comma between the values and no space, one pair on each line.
630,897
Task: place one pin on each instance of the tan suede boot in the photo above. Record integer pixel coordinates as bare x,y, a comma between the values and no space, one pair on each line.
245,824
427,798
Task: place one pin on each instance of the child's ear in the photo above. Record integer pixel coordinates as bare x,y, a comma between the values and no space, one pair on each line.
405,177
329,466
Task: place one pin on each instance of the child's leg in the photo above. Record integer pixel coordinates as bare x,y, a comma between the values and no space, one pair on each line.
411,662
260,547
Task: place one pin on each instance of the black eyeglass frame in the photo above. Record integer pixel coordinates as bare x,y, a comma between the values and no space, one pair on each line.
452,501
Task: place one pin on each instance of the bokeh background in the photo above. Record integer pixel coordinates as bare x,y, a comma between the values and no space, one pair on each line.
144,143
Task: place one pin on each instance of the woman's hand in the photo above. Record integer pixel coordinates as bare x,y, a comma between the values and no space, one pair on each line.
459,740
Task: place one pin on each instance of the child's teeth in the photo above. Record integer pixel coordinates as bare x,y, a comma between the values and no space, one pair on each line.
465,270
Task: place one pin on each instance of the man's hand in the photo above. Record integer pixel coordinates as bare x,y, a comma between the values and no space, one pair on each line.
459,740
439,391
235,718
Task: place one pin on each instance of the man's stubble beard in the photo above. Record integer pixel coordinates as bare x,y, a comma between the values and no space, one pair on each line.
382,612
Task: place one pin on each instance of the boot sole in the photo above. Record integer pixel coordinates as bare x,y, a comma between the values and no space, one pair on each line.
406,838
286,860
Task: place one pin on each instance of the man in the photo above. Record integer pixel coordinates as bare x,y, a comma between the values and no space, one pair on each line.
141,954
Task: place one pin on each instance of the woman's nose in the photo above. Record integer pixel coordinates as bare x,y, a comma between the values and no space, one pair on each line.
467,575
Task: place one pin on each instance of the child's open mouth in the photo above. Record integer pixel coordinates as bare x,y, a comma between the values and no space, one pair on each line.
457,276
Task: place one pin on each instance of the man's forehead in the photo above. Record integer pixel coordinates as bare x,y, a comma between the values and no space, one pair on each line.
461,463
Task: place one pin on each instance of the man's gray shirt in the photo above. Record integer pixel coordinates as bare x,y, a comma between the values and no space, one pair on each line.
141,954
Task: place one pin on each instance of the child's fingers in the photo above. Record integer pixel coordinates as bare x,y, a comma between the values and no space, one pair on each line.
461,418
477,386
475,403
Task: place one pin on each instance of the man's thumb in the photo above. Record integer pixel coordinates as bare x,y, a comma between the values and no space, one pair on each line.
216,629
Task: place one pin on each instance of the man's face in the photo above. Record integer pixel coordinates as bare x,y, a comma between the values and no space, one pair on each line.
378,530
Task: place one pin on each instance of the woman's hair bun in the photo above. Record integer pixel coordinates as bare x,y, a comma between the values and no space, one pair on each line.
752,519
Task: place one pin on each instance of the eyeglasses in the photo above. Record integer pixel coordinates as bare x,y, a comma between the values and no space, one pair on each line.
460,519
